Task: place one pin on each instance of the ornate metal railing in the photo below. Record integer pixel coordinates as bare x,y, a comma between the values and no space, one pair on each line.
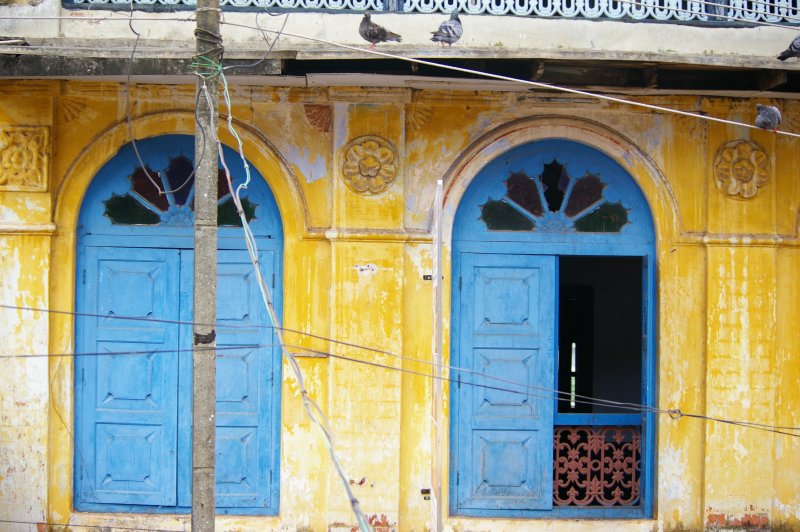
754,11
597,466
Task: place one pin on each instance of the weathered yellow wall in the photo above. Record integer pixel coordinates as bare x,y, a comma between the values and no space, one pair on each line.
728,290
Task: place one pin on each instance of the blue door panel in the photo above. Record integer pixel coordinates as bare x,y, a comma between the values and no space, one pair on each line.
245,426
506,303
134,289
507,472
505,329
248,387
129,463
495,399
125,400
136,381
238,479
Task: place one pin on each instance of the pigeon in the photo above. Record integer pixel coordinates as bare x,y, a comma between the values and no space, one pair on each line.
768,117
449,31
374,33
792,51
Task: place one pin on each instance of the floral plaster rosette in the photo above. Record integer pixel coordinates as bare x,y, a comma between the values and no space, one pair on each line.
369,165
741,168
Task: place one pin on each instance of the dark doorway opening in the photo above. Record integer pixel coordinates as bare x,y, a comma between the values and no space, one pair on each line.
600,332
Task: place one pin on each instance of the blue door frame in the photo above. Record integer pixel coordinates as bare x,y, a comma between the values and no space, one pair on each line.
133,410
535,233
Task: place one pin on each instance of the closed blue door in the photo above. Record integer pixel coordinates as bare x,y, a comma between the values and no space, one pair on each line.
133,378
126,380
134,408
505,326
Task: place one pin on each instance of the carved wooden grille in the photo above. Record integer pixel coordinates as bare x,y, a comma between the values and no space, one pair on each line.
596,466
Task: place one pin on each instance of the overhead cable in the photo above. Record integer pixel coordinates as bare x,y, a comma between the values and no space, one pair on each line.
531,83
517,387
313,411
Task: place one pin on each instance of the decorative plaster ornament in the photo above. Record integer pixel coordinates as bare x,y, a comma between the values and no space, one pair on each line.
319,116
23,158
419,117
369,166
741,168
73,108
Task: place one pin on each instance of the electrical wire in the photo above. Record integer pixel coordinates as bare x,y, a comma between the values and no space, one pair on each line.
129,119
530,83
128,108
104,527
127,318
564,397
135,353
94,20
271,45
519,388
310,405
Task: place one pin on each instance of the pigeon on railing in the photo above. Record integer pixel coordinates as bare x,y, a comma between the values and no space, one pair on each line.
768,117
792,51
449,31
374,33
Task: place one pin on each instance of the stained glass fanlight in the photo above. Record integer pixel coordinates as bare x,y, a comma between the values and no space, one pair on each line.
166,197
554,201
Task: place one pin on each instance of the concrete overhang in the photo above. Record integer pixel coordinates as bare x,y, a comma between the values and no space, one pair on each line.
325,49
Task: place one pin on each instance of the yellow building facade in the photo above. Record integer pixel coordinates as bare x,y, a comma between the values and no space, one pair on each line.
725,204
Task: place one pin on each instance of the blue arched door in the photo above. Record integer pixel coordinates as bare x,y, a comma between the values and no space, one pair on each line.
552,319
133,376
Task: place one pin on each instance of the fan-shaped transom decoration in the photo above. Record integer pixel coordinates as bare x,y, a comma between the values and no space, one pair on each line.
167,197
554,201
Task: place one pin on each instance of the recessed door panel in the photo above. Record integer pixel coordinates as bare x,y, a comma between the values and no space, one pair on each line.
126,383
503,423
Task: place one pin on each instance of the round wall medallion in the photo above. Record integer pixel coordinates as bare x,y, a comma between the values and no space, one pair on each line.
369,165
741,168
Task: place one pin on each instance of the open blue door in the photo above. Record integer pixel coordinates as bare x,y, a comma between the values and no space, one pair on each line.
126,402
503,440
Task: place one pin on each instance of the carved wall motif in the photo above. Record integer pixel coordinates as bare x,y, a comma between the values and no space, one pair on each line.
419,117
319,116
73,108
741,168
369,165
23,158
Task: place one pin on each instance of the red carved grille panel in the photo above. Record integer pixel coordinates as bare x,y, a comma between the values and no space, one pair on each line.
596,466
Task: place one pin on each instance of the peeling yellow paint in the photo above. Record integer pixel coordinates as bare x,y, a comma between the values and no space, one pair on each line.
728,294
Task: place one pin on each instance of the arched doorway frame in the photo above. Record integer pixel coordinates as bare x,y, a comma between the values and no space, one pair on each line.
646,174
69,197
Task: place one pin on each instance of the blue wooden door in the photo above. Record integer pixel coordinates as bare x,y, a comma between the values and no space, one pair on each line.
126,402
248,381
504,328
133,412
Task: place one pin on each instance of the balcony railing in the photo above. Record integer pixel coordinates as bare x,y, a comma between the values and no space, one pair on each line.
745,11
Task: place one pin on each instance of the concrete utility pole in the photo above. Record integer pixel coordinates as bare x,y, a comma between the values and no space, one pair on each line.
204,377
